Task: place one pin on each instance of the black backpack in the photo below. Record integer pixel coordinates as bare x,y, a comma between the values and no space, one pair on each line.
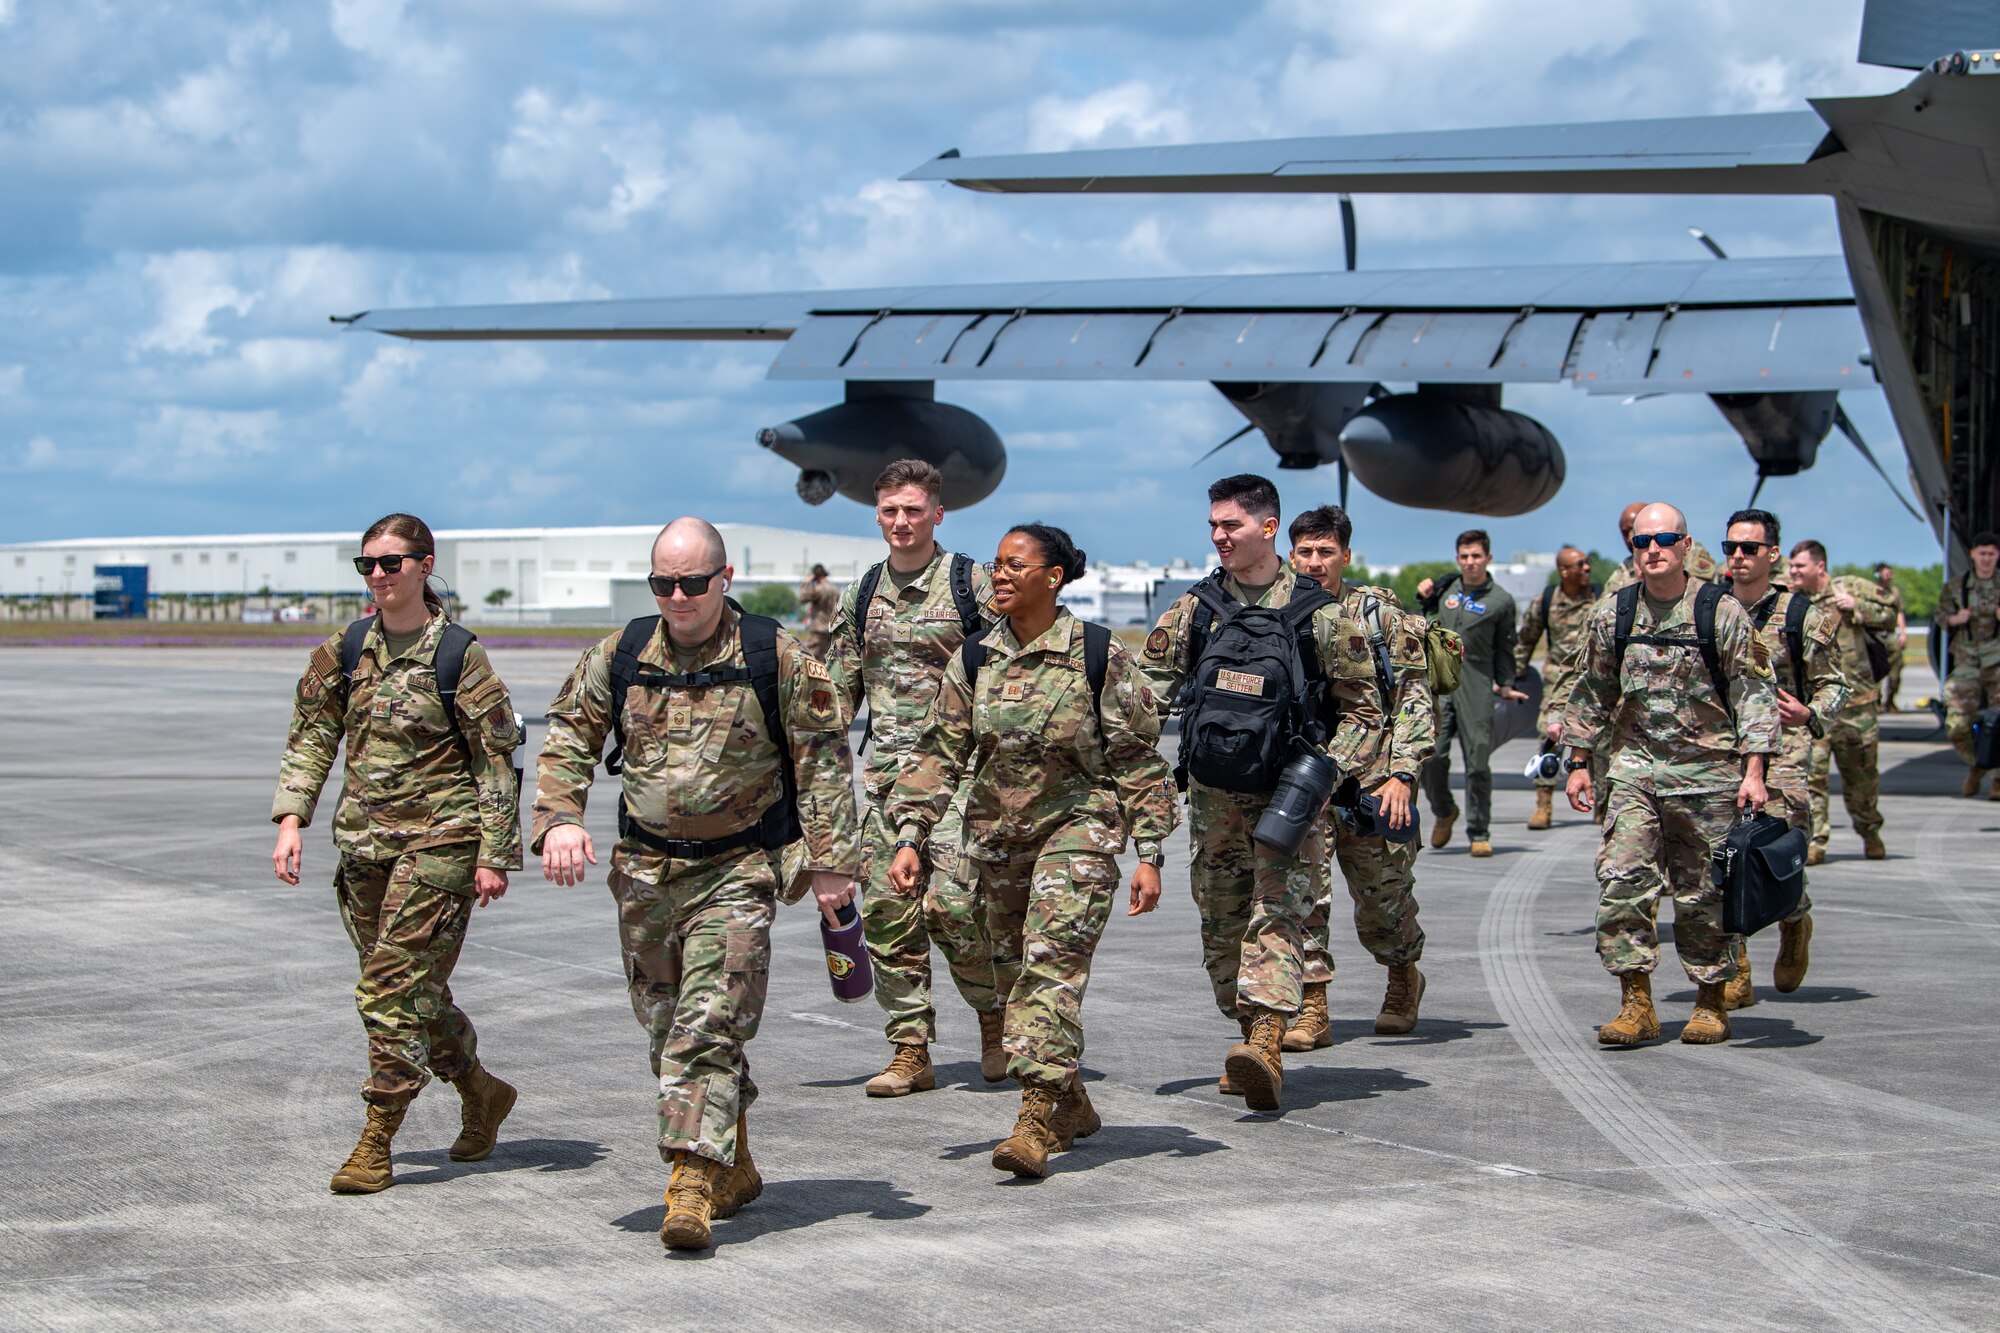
1254,694
1096,658
1794,631
961,594
779,825
1706,599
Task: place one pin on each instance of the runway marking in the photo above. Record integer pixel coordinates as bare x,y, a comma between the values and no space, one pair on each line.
1820,1270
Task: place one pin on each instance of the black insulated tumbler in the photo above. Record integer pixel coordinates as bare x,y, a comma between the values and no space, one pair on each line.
1296,802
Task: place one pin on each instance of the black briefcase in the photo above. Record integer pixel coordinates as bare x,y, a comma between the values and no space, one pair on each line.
1760,866
1986,739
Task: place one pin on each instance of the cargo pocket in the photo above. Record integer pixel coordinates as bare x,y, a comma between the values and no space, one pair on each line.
746,949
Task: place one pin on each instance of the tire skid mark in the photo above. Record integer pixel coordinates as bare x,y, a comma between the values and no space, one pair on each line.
1820,1270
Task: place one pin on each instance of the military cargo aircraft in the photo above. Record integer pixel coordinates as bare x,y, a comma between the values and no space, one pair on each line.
1913,302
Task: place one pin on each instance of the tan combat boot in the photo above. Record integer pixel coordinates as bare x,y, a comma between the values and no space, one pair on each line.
909,1071
1709,1023
1794,954
483,1102
1075,1118
1815,856
742,1183
1872,848
1400,1001
1973,777
1026,1151
1636,1021
1740,992
691,1197
992,1055
367,1169
1225,1085
1545,808
1480,847
1257,1064
1310,1030
1441,827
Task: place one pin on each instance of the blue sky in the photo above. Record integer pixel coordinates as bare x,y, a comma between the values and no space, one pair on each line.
191,190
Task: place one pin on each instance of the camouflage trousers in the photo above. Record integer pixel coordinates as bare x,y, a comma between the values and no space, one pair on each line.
1474,730
1253,903
697,951
1658,846
1853,742
1046,912
1892,683
1381,879
1968,690
899,931
407,918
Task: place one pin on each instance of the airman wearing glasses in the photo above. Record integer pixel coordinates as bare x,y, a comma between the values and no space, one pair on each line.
735,769
428,823
1688,731
1699,564
1560,611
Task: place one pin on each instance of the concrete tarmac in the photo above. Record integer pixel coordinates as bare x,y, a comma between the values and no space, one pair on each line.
181,1062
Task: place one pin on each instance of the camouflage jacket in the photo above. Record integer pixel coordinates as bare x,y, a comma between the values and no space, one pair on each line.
1700,565
1659,719
1975,644
408,783
819,600
1564,628
1826,685
909,638
1047,770
1412,734
699,761
1343,662
1873,611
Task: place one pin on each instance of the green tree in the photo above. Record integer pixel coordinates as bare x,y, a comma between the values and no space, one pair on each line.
1919,585
1404,585
770,599
499,597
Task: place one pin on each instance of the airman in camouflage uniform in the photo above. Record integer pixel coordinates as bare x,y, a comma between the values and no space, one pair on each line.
911,629
1253,902
1560,612
428,818
1380,873
695,885
1892,684
1853,741
1811,690
1969,607
1682,760
819,601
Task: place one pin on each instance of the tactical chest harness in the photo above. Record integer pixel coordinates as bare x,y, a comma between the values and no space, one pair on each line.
1707,597
447,666
970,621
1794,633
778,826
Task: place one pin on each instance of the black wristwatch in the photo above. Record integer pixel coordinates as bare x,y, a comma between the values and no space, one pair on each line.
1571,765
1406,779
902,843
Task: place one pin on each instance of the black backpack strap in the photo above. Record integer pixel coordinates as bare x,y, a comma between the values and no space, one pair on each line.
624,674
1096,659
1308,597
1627,604
448,666
1796,612
972,656
351,640
969,618
1706,599
759,636
1548,600
864,597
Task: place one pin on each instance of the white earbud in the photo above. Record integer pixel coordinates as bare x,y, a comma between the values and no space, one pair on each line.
725,585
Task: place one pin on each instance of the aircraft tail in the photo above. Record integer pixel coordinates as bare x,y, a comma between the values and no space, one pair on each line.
1909,34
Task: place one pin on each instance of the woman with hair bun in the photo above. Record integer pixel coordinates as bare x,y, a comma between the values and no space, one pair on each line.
428,821
1060,734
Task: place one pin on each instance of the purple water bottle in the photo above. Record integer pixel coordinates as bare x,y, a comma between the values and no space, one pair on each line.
846,956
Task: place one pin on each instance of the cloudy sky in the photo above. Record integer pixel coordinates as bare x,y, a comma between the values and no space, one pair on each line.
190,190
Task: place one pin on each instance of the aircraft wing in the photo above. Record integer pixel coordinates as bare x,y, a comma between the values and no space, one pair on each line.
1697,326
1762,153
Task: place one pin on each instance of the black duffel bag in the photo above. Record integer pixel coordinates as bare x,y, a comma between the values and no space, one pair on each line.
1986,739
1760,866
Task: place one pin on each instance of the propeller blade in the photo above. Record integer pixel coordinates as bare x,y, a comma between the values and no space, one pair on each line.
1347,229
1756,490
1224,445
1708,241
1841,419
1340,465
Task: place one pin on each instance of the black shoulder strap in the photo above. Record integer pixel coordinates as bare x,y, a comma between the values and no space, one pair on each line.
1096,659
624,671
972,656
864,597
969,618
1706,599
1796,612
1378,644
351,640
448,666
1548,600
1627,603
759,635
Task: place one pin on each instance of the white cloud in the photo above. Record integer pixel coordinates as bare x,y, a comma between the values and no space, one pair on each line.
1129,113
380,28
192,286
370,400
198,444
39,454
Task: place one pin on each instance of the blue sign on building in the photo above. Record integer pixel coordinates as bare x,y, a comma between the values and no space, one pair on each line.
121,592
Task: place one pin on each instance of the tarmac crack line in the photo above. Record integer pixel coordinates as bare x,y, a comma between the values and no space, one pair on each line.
1814,1266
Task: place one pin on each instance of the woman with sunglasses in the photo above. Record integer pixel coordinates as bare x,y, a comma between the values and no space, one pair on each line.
428,822
1063,768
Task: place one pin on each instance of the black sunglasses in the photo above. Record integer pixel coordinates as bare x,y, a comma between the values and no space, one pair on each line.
694,585
1743,548
1666,540
391,564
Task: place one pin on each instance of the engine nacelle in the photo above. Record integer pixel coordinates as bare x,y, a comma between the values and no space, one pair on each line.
842,449
1782,431
1302,422
1434,450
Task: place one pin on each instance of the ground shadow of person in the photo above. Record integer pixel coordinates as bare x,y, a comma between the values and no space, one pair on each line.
1307,1086
787,1205
1113,1143
508,1155
1757,1032
1427,1032
965,1074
